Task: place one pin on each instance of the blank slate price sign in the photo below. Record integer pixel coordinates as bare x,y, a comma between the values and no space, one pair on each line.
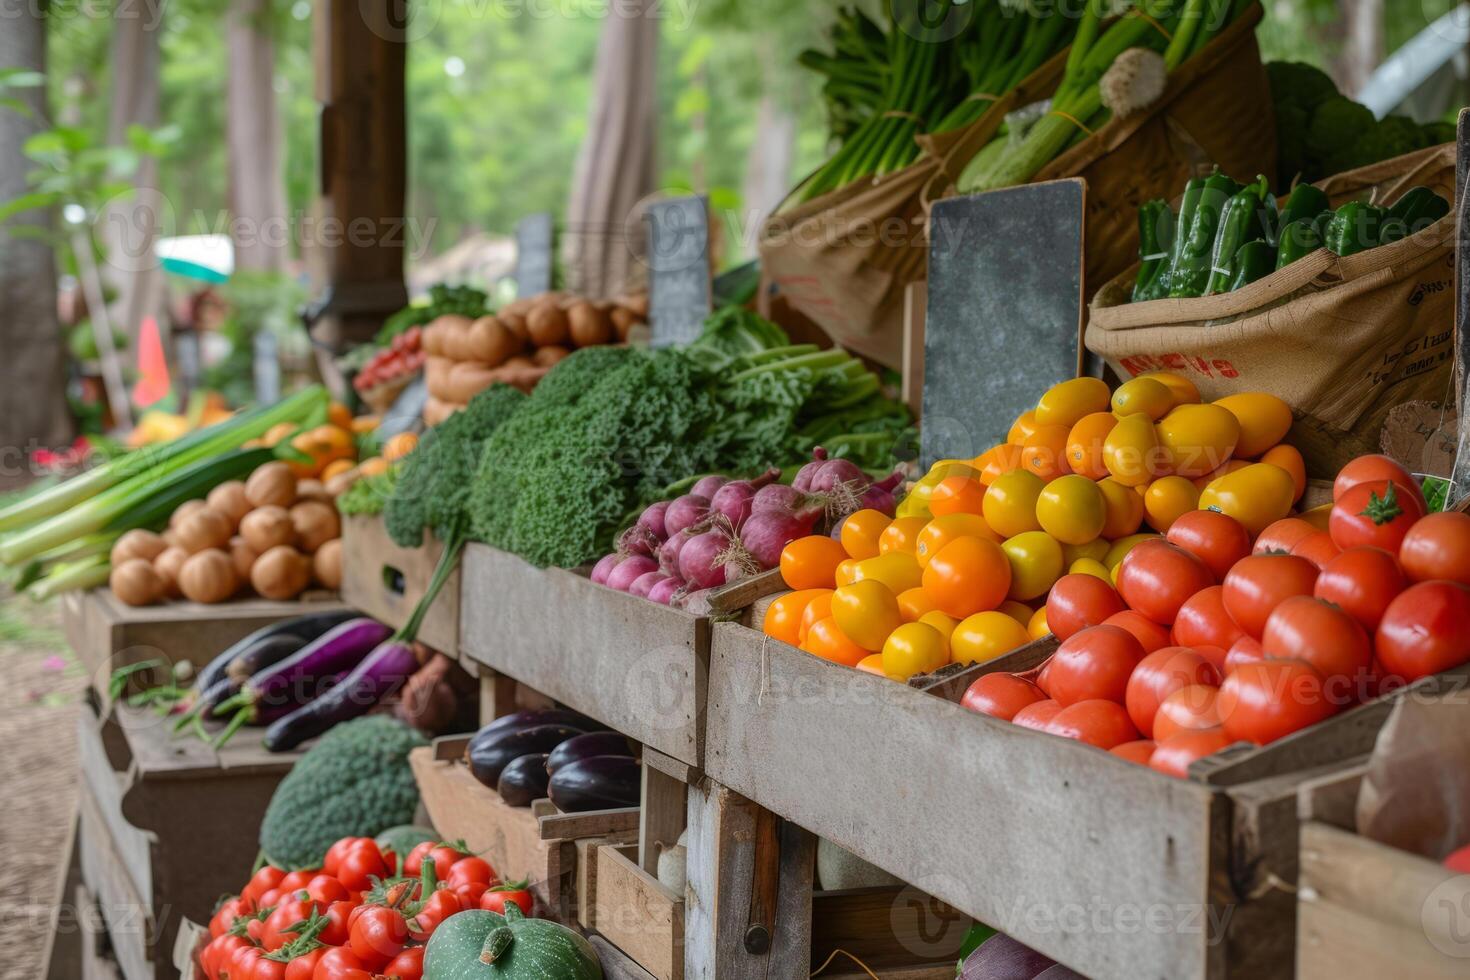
1004,311
535,243
678,261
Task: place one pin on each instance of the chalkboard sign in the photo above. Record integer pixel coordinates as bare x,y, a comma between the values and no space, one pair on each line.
1004,311
535,247
404,413
678,263
267,368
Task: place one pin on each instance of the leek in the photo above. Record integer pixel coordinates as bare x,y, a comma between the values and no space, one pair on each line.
85,573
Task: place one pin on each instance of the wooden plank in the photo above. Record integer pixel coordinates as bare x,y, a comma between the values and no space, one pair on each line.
662,812
671,767
915,299
158,754
886,927
95,961
127,915
1332,798
637,666
386,581
1064,824
951,685
1370,911
104,786
589,823
737,595
615,963
497,694
637,914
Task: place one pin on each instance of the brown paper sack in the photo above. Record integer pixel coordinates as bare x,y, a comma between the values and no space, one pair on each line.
1416,793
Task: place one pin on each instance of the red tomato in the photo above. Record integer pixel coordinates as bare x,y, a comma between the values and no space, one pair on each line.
1149,634
1263,701
1317,548
1139,751
241,962
469,869
303,967
1245,650
337,931
1037,715
324,890
335,853
296,880
340,963
1438,547
264,880
1156,578
362,863
268,969
218,952
1303,628
1216,539
1459,861
1174,756
1378,514
440,906
1203,621
496,898
1186,710
1078,601
1094,663
1043,678
1001,695
223,917
1096,722
407,965
1258,584
277,925
443,855
1425,630
377,935
1363,581
1371,469
469,893
1283,535
1159,675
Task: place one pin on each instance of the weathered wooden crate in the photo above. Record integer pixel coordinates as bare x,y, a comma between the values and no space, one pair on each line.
634,665
107,634
387,582
1109,867
165,824
632,910
536,843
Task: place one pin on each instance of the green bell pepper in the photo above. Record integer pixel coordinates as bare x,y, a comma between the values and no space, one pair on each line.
1354,227
1253,261
1299,238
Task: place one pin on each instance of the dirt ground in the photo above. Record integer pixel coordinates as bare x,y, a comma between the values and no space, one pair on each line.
38,774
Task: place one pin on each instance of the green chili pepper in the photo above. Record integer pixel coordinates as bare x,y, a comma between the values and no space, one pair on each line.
1299,238
1354,227
1155,236
1419,208
1239,223
1253,261
1305,201
1190,274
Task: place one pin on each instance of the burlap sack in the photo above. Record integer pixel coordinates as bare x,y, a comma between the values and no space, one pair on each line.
1342,340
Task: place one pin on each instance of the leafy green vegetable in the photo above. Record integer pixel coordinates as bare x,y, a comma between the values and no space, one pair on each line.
368,494
464,300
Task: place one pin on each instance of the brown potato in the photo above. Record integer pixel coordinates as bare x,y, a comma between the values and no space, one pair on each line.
547,325
491,342
267,527
436,375
281,573
271,484
635,303
326,565
436,410
549,356
588,325
316,523
623,320
516,324
468,379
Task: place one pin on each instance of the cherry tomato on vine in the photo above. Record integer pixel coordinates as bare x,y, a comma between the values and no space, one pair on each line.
469,869
333,859
266,968
224,917
1378,513
439,906
469,893
377,935
407,965
324,890
340,963
496,898
360,864
268,878
303,967
337,931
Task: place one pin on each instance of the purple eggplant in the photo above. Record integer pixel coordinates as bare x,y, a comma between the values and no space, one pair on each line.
375,677
524,780
585,747
530,718
603,782
305,628
490,756
265,653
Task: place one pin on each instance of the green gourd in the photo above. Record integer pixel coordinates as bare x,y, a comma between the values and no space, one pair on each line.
481,945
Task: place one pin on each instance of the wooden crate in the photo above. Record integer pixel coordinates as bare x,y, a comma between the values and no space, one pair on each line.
107,634
536,843
1368,910
632,910
165,825
634,665
386,581
1038,836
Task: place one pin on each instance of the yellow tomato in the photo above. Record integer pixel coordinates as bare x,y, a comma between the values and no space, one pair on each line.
1094,549
1045,451
847,571
901,535
1071,509
1290,460
860,532
945,468
1066,403
1147,395
1318,516
1125,509
913,505
1264,420
1024,425
1036,563
898,570
1038,627
913,648
997,460
1090,566
1010,503
872,664
1230,467
866,612
942,530
944,623
1168,499
1185,393
1197,438
1085,444
1122,546
1018,611
1255,496
985,636
913,604
1131,450
957,495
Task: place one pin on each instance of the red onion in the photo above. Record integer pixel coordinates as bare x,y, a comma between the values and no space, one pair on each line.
684,512
644,583
628,570
879,496
779,497
803,481
653,518
668,552
835,473
734,499
664,589
767,532
706,486
701,561
638,540
604,566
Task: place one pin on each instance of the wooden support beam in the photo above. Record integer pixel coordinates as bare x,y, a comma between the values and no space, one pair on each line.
662,813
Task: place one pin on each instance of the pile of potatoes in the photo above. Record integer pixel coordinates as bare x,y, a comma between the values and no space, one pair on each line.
274,534
518,345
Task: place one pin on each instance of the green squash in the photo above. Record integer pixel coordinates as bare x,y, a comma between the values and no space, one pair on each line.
480,945
404,837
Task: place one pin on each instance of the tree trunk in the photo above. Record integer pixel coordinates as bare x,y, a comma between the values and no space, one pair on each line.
767,167
257,180
1362,44
33,409
615,165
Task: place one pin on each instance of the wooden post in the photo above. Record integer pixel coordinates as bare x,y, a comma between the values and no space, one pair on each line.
661,814
1460,478
497,695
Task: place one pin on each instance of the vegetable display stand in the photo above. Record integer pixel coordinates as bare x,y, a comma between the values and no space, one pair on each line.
1038,836
107,634
386,581
162,821
632,664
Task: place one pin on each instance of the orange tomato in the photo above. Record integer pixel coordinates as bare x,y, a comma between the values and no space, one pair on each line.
998,460
1230,466
914,603
942,530
967,576
373,466
339,415
783,616
335,468
901,535
847,571
1085,444
819,607
956,495
1289,458
825,640
861,530
1024,425
400,446
811,562
1038,626
872,664
1045,451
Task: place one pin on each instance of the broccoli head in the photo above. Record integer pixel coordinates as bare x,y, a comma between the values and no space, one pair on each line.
1300,85
1402,135
355,782
1337,124
1439,132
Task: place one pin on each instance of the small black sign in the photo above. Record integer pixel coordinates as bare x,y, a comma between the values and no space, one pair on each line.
678,261
1004,312
535,247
